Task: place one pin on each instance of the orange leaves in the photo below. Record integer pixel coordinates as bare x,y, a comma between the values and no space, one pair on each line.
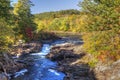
105,56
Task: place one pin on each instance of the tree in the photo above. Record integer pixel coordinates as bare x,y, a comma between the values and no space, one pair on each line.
6,32
24,24
6,35
102,28
5,9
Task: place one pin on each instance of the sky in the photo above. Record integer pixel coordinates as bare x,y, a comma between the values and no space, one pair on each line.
41,6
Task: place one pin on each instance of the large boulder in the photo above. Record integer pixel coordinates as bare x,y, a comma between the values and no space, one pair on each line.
61,54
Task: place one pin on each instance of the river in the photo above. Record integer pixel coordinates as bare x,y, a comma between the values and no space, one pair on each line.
41,68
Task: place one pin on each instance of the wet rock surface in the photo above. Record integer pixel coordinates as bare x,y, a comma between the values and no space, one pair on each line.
67,54
61,55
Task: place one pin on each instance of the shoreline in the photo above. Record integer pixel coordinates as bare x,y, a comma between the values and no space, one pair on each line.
67,56
11,62
74,62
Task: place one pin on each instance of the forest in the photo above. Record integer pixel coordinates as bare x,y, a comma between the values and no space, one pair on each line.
64,20
98,21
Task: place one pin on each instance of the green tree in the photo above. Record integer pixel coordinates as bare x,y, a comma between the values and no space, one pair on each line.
6,32
5,9
6,35
24,24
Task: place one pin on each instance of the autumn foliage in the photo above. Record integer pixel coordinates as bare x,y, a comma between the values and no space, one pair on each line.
98,21
102,29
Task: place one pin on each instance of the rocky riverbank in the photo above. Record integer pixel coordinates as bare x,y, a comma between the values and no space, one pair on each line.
71,59
67,57
10,64
10,61
74,63
26,48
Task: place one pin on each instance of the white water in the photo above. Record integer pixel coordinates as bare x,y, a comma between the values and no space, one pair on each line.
22,72
42,69
45,50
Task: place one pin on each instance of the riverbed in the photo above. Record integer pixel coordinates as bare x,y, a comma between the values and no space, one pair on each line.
40,68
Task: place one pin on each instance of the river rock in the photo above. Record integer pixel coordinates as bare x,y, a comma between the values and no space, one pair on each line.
61,54
25,48
65,56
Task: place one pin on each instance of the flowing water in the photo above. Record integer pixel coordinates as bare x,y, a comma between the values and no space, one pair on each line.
40,68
